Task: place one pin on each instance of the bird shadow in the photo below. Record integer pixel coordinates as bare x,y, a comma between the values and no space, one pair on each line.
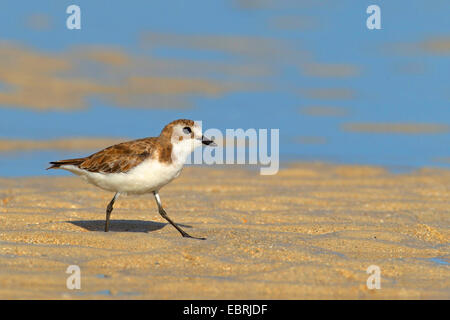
122,225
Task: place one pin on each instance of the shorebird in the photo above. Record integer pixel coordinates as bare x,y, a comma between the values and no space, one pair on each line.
140,166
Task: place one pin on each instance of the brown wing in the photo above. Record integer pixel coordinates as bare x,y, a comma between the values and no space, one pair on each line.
121,157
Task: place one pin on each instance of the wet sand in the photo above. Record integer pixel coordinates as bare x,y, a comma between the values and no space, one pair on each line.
309,232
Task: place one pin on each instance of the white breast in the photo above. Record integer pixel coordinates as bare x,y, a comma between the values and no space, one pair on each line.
147,177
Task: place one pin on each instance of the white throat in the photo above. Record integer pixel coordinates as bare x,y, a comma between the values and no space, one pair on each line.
182,149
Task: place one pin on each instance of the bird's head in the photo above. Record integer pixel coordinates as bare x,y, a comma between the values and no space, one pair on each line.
185,135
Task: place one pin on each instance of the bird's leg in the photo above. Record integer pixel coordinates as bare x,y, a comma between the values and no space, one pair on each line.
163,214
109,209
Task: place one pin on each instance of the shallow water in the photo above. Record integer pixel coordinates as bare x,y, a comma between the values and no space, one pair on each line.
337,91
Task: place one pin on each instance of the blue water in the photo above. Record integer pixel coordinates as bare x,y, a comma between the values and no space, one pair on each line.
440,261
382,92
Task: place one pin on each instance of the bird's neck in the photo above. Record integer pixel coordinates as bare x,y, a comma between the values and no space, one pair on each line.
181,150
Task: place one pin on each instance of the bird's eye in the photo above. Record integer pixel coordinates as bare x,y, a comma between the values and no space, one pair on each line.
187,130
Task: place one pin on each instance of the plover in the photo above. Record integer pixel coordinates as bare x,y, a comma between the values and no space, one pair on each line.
140,166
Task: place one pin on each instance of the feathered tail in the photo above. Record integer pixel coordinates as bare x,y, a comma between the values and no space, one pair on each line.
57,164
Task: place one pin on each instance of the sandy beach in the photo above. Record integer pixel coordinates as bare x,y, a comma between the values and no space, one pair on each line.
309,232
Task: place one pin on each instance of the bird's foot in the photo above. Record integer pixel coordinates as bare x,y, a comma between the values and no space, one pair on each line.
185,235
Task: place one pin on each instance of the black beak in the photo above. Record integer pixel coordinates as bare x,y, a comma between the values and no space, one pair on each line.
208,142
